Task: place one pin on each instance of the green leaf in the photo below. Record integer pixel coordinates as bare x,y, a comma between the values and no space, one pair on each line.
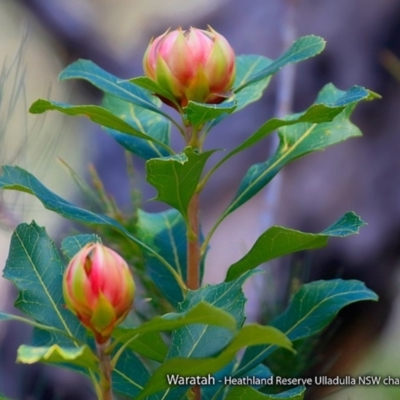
312,308
330,103
152,86
108,83
249,335
144,121
296,141
80,356
149,345
11,317
98,115
16,178
201,340
72,244
200,113
246,66
176,177
249,393
129,376
35,267
278,241
301,49
165,234
201,313
219,390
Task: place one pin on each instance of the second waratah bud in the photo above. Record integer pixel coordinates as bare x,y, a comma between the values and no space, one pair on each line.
98,288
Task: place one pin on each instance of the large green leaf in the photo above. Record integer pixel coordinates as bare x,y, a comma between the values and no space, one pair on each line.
278,241
301,49
108,83
129,376
149,345
296,141
200,340
142,120
44,329
35,267
165,234
202,313
16,178
200,113
81,356
98,115
176,177
312,308
249,335
249,393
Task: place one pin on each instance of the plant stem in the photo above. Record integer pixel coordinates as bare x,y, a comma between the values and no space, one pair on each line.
193,251
193,236
105,370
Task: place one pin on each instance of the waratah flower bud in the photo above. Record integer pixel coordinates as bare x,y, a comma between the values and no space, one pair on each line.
192,65
98,288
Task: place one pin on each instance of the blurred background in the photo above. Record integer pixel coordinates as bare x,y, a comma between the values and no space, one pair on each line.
38,38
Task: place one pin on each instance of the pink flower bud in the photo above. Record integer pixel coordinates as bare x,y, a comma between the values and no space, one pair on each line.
193,65
98,288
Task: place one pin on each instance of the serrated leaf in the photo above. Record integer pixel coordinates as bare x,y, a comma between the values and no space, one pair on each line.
108,83
143,120
80,356
16,178
301,49
296,141
278,241
249,393
72,244
35,267
96,114
249,335
165,234
200,113
312,308
200,340
176,177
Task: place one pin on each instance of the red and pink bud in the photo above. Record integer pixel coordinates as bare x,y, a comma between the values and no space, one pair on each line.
98,288
192,65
